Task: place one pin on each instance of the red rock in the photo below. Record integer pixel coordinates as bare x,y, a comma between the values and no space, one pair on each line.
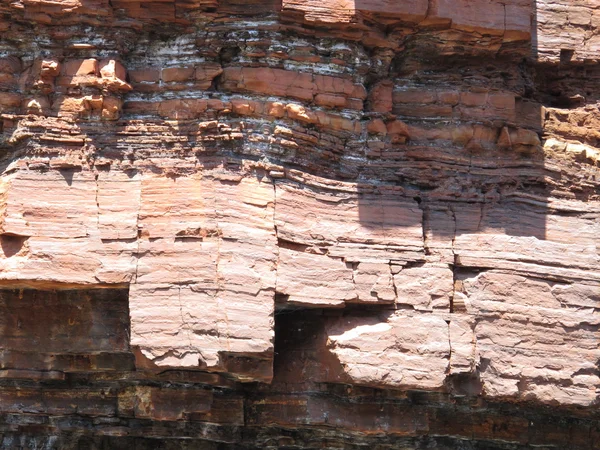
81,67
425,288
145,75
502,101
275,109
113,75
473,98
206,73
9,100
420,269
163,404
246,108
10,64
397,127
380,97
330,11
70,106
177,74
111,108
49,68
298,112
37,105
414,96
480,14
331,101
377,126
448,97
182,109
269,81
415,353
333,91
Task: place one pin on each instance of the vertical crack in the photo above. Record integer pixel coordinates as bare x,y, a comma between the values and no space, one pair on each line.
455,261
139,232
184,324
481,213
218,279
394,287
448,368
97,201
424,220
276,239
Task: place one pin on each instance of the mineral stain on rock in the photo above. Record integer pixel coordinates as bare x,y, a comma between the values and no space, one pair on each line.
299,224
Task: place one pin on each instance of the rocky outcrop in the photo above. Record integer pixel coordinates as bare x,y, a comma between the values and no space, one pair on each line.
299,224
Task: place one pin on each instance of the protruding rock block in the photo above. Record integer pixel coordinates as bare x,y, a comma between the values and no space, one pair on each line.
105,74
402,351
205,277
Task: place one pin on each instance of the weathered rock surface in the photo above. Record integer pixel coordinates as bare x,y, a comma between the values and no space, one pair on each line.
299,224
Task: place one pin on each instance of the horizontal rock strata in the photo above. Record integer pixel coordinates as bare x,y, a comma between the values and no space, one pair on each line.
299,224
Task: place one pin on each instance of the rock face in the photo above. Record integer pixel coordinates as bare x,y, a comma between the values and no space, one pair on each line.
299,224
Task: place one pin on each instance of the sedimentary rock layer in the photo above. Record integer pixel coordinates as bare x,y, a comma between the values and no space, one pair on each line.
299,224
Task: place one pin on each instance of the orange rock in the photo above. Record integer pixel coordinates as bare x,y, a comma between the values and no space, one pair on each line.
330,101
336,11
423,110
49,68
94,102
37,105
298,112
206,73
111,108
380,97
177,74
449,97
110,68
414,96
70,106
114,76
182,108
10,100
524,137
473,98
10,64
245,107
80,72
502,101
397,127
368,359
285,83
219,205
504,140
144,75
337,123
462,134
81,67
330,84
218,105
141,107
376,126
275,109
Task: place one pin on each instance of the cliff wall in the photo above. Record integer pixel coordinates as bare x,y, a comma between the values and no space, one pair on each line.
299,224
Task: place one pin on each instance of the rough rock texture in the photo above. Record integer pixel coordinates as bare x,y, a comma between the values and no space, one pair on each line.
299,224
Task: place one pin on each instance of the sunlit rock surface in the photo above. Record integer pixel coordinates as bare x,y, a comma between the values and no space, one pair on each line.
299,224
